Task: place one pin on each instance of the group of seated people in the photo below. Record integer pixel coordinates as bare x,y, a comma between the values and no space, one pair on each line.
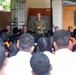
26,53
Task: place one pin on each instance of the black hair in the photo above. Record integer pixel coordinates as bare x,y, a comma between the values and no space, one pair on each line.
2,55
61,38
74,34
15,30
74,31
69,27
26,41
4,36
56,27
20,31
4,30
44,44
29,31
13,49
40,64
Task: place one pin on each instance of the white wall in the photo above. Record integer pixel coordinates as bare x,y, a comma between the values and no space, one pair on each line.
57,13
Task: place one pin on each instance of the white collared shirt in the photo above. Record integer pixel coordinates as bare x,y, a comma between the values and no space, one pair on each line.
19,64
63,62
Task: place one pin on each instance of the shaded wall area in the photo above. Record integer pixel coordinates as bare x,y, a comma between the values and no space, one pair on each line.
4,19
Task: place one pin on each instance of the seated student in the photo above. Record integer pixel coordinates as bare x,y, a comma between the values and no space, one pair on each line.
24,28
70,30
20,63
14,36
74,34
44,44
9,29
4,37
50,32
56,28
13,49
3,59
40,64
63,61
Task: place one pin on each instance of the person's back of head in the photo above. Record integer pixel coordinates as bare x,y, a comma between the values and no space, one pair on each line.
74,34
26,42
44,44
15,30
4,30
30,32
40,64
50,32
61,39
13,49
20,32
3,59
4,36
74,31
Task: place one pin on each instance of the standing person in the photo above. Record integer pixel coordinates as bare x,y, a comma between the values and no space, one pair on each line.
40,64
38,25
20,63
62,61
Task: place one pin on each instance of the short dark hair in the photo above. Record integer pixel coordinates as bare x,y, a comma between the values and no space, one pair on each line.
56,27
26,41
13,49
4,30
70,27
2,55
44,44
40,64
15,30
4,36
61,38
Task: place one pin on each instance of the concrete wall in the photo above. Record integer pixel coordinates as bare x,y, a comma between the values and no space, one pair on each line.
57,13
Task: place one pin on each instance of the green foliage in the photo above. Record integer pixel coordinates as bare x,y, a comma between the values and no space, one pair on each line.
5,4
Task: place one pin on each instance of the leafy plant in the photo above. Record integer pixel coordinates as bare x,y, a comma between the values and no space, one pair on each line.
5,4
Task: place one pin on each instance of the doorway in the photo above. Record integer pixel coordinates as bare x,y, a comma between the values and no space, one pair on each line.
39,6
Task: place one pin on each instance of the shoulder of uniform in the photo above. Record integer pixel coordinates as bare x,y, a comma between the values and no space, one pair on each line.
42,20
